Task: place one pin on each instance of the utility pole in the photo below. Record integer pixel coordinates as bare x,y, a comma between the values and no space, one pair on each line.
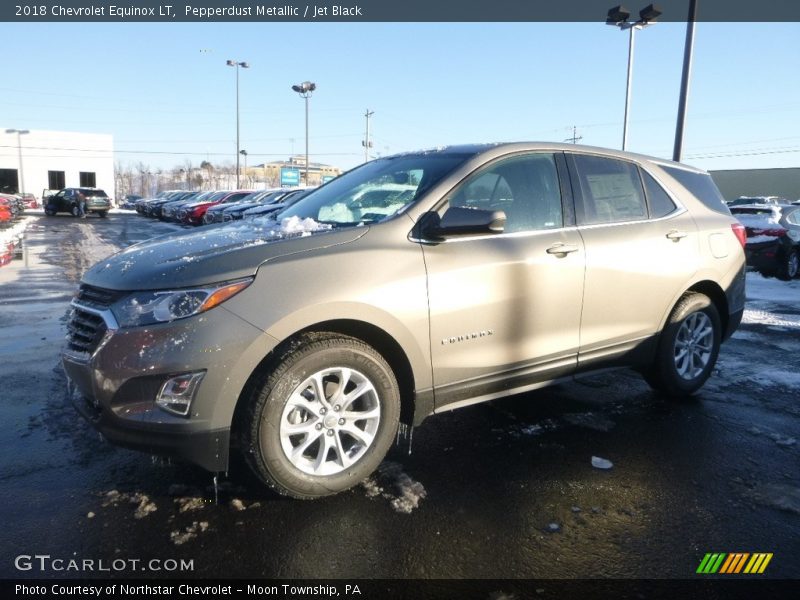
685,77
575,137
366,143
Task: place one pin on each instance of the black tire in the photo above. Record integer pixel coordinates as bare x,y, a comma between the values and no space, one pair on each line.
102,214
267,415
693,309
75,210
790,267
49,212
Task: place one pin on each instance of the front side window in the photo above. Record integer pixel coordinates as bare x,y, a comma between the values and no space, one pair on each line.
526,188
611,190
375,191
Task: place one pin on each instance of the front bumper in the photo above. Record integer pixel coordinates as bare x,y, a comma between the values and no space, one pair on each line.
115,386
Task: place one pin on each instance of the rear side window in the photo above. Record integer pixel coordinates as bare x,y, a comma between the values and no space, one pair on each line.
701,186
660,202
611,190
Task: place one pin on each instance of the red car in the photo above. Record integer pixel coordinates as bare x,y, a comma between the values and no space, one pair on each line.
6,214
29,200
192,214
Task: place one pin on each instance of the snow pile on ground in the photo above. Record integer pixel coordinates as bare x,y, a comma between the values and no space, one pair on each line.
179,537
14,233
144,506
767,289
94,247
390,482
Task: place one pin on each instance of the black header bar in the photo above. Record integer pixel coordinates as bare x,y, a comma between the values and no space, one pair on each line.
366,11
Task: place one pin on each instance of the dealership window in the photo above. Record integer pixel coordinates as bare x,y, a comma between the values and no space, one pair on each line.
9,181
55,180
88,179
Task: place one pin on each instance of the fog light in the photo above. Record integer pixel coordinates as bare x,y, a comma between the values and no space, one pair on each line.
176,395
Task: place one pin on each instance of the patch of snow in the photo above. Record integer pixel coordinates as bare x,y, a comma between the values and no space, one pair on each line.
601,463
763,317
144,506
777,495
772,290
553,527
189,503
179,537
760,239
14,233
390,482
237,504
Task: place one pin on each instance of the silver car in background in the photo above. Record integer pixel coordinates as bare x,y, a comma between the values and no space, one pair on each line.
409,286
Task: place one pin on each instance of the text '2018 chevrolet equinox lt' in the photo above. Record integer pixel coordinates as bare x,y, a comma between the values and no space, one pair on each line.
411,285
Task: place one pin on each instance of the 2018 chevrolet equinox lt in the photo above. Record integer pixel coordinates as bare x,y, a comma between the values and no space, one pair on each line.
411,285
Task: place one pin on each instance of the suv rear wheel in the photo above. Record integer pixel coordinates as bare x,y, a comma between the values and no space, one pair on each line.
75,211
323,419
688,347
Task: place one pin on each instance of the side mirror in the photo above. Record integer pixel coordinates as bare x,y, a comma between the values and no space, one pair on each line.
458,220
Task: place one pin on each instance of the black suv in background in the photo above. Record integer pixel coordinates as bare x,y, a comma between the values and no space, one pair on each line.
68,199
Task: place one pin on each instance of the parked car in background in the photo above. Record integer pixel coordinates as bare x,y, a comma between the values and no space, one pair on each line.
29,200
743,200
773,238
271,208
193,213
13,204
129,201
509,267
68,199
5,214
170,210
215,213
235,212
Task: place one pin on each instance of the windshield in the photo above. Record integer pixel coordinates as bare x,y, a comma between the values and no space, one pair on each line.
375,191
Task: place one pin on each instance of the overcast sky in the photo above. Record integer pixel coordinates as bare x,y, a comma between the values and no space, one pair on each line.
164,90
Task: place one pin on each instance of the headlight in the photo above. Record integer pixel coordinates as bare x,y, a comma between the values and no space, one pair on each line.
147,308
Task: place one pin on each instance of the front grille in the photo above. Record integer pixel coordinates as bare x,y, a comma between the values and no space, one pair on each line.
85,330
98,298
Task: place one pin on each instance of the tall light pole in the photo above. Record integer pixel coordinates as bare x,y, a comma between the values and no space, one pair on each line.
687,72
305,90
236,65
244,153
20,133
618,16
366,143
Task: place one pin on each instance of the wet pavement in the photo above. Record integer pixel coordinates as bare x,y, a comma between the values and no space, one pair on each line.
501,490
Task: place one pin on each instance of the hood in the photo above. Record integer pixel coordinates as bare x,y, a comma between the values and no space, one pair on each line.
212,254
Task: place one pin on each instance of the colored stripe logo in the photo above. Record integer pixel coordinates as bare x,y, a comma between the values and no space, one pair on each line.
734,563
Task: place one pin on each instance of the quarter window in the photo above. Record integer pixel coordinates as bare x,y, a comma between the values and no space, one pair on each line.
526,188
660,202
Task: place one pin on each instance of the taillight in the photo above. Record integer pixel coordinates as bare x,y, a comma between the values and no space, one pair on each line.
740,233
777,232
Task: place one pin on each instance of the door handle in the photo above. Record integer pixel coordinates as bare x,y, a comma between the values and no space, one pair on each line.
561,249
676,235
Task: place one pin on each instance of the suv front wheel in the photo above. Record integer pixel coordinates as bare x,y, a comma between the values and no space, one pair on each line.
688,347
324,417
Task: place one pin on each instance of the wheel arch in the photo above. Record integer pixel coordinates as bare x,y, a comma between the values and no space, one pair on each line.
384,343
717,296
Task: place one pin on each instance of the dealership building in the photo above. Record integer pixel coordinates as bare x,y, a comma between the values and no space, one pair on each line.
36,160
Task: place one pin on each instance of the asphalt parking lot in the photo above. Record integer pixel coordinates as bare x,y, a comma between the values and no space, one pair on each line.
502,490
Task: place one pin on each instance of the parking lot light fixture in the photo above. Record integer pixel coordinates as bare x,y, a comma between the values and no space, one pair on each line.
619,17
236,64
305,90
20,133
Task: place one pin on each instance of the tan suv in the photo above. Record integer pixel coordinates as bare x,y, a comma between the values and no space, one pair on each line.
472,273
